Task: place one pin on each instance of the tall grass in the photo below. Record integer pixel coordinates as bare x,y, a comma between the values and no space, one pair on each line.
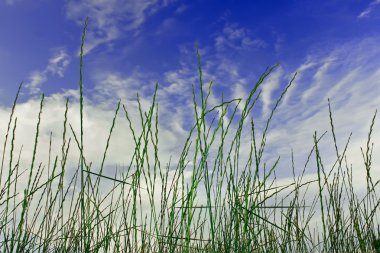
209,203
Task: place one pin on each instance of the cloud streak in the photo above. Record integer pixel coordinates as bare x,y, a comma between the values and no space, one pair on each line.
367,12
236,37
56,67
110,19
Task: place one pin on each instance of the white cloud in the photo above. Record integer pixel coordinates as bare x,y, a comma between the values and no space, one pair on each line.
300,71
366,13
109,19
57,66
36,80
268,87
319,80
237,37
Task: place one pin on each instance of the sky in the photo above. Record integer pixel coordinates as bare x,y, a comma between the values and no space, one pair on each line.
132,45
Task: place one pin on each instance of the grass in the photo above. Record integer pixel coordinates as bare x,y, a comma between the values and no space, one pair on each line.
209,203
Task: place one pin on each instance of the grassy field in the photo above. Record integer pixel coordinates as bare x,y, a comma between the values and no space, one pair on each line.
211,202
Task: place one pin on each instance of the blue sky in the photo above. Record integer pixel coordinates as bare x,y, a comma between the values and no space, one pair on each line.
131,45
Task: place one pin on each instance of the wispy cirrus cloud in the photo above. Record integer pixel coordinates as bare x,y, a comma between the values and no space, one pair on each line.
236,37
366,13
318,78
268,87
111,18
56,67
353,90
